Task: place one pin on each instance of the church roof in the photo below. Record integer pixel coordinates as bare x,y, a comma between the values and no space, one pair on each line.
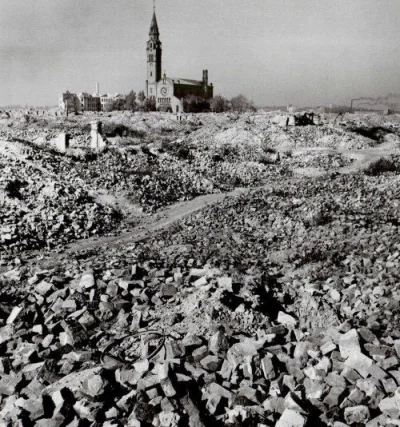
187,82
154,26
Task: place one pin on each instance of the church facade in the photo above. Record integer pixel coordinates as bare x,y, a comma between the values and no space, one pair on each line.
169,93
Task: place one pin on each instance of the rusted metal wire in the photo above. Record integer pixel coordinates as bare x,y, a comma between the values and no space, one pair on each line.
106,351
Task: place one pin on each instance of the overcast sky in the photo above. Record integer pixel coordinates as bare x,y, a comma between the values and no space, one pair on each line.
276,52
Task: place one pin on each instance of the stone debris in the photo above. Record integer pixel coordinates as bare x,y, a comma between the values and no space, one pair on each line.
50,369
356,415
39,210
273,308
291,418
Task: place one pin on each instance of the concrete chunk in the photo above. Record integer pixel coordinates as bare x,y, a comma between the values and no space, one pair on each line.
13,315
356,414
390,406
87,281
267,367
211,363
286,320
349,344
192,411
360,363
291,418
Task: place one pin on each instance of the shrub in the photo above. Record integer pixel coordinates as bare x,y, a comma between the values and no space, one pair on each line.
380,166
219,104
265,160
229,151
12,189
217,158
241,104
112,130
237,181
165,129
179,149
376,133
269,150
184,153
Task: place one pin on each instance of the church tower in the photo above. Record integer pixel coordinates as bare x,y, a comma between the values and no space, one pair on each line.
154,53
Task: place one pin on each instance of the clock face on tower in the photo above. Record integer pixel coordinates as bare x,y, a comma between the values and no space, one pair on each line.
164,91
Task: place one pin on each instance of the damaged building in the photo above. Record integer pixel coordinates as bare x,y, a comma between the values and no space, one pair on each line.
84,101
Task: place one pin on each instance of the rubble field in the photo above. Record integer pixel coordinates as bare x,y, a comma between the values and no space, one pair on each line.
276,305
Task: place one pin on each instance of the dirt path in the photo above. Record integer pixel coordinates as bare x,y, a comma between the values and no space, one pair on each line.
149,226
157,222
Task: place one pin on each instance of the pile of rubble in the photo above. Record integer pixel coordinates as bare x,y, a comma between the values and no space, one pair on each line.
223,152
330,136
40,210
325,160
279,307
150,177
275,308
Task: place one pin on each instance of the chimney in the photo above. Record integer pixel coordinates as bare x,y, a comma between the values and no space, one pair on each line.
205,77
97,89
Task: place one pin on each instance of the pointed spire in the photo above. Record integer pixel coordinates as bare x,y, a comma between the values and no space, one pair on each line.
154,26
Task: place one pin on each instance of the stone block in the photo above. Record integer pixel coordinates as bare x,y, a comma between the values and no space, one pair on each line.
211,363
200,353
286,320
349,344
332,399
218,343
390,406
192,412
238,352
356,415
268,368
13,315
360,363
291,418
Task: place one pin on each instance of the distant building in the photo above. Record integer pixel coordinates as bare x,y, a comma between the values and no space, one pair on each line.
85,101
68,100
79,102
108,101
168,93
89,102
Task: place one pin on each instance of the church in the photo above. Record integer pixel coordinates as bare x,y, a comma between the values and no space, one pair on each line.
169,93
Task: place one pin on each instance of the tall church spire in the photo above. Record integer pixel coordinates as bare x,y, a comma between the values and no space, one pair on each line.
154,56
154,27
